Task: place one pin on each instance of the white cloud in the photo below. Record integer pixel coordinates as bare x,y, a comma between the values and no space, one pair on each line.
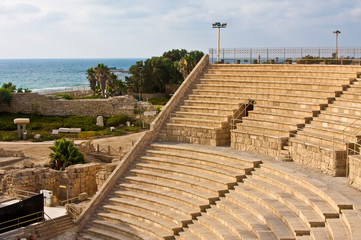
135,28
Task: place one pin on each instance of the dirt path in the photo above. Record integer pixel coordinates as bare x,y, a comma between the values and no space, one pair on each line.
39,152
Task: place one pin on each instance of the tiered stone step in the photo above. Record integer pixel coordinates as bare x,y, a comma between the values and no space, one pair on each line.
295,111
276,203
216,98
303,202
290,90
305,97
310,106
332,131
286,79
309,67
229,73
338,86
206,110
168,188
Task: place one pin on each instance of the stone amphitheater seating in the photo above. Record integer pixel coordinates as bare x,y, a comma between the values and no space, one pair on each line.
171,188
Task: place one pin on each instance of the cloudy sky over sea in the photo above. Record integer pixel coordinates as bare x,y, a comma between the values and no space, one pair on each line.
145,28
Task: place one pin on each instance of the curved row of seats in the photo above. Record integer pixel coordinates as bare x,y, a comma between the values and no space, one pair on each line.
185,191
166,190
276,204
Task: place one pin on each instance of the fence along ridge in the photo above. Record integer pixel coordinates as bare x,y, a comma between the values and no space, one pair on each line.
284,53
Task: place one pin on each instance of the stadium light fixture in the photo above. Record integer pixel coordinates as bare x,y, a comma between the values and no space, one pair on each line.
219,26
337,32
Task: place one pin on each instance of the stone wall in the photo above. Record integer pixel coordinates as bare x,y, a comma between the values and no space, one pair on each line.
326,160
11,153
74,94
103,175
258,143
47,105
354,177
78,179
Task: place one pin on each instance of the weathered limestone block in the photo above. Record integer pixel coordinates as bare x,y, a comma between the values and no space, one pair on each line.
100,121
326,160
257,143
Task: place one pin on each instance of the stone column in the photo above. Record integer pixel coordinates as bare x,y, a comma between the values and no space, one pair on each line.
19,131
21,122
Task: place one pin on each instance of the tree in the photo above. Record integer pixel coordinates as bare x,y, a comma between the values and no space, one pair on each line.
64,154
92,79
102,74
101,78
9,86
175,54
5,96
154,74
186,65
6,93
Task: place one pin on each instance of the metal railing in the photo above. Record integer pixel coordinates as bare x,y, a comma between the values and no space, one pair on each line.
108,149
23,193
37,216
66,201
73,211
285,55
242,113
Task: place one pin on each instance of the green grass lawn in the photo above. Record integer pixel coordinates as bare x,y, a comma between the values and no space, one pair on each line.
44,125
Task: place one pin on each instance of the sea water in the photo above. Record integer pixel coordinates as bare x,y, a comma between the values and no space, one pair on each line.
56,75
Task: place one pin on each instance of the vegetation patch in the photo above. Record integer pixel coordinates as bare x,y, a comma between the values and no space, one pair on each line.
64,154
43,126
160,100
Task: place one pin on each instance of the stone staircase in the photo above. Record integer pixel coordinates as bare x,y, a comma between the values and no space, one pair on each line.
333,131
54,229
286,98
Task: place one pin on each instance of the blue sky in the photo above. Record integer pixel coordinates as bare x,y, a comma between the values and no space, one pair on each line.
135,28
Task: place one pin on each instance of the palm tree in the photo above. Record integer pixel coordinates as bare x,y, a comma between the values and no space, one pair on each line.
110,85
186,65
64,154
102,74
91,78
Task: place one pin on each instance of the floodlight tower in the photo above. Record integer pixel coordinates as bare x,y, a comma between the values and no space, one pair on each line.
337,32
219,26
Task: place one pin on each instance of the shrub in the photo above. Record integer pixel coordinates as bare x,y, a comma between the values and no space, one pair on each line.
138,111
64,154
85,123
65,96
159,101
118,132
86,135
117,120
8,136
35,126
6,125
90,97
6,96
132,128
